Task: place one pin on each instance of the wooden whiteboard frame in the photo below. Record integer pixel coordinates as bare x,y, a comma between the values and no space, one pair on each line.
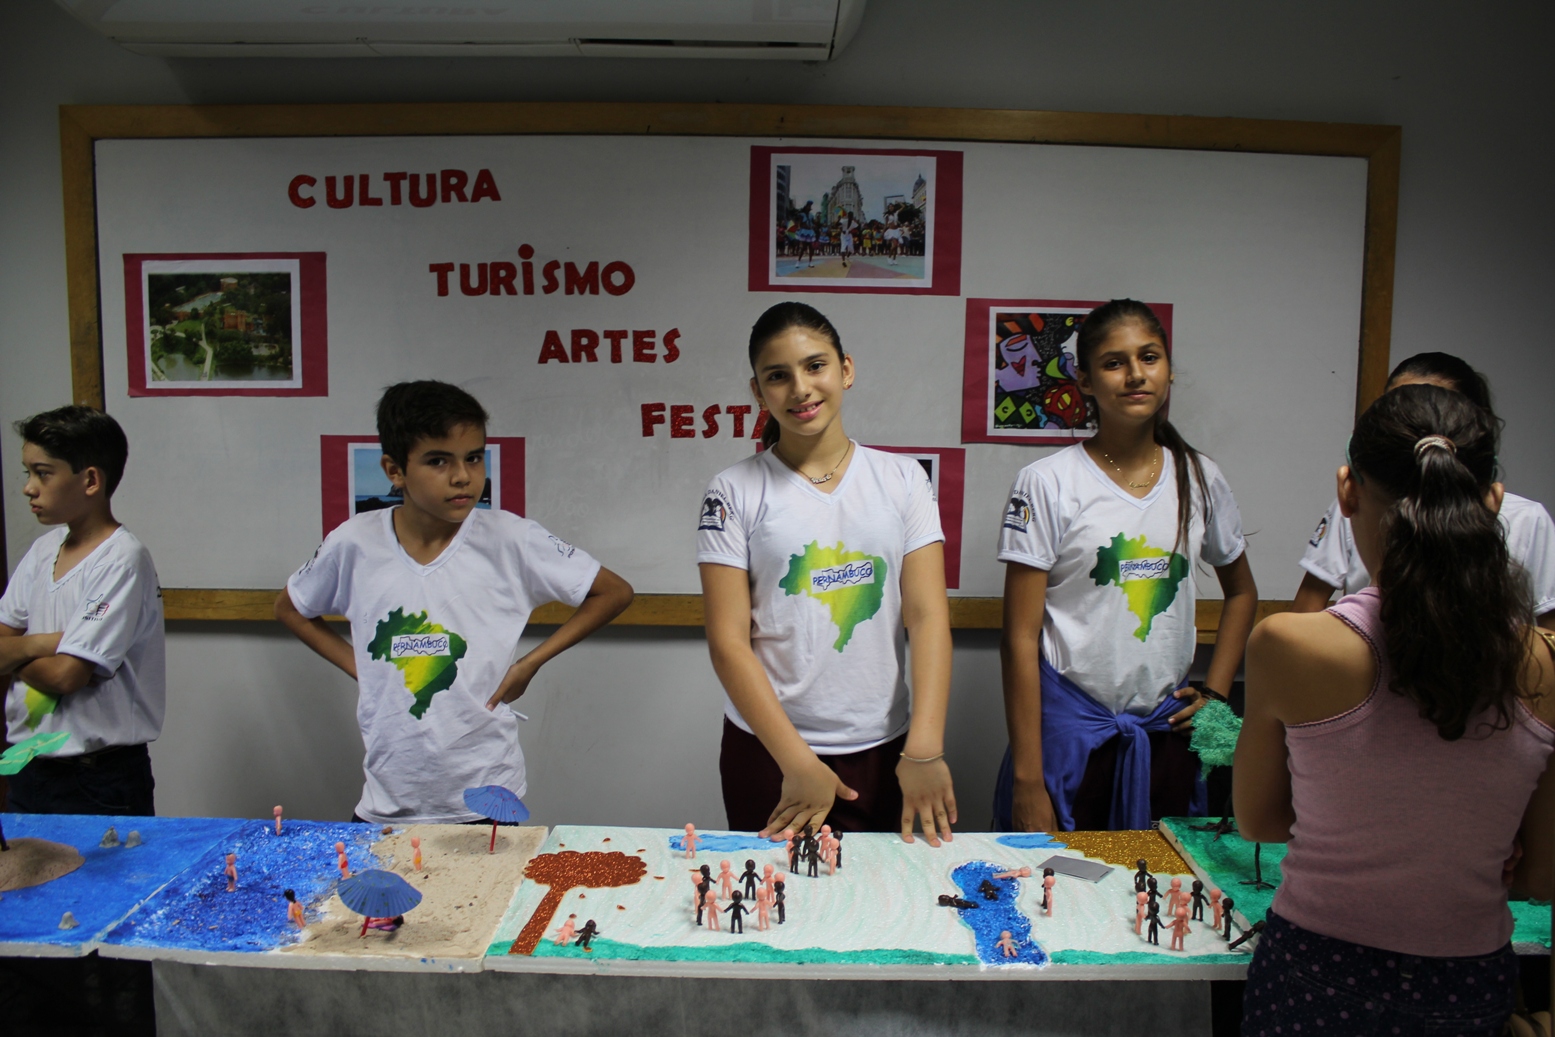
81,126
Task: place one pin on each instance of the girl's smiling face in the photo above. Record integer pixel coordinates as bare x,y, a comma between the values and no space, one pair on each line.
1129,374
800,378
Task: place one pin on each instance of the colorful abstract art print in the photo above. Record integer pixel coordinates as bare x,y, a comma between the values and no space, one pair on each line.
878,221
352,480
226,324
946,469
1020,380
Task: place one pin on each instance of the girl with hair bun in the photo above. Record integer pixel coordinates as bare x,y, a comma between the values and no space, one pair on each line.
1401,741
1330,561
817,557
1101,543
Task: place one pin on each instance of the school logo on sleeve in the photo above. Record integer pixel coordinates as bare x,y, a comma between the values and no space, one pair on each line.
96,608
1147,576
426,655
851,584
563,548
715,511
1322,531
1017,512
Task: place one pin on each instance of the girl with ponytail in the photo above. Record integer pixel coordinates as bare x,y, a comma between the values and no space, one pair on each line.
1101,544
1401,741
817,557
1330,561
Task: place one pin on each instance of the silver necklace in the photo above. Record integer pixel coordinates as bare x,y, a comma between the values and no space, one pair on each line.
822,479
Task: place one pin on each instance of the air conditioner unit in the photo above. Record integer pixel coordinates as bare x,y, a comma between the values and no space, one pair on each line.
794,30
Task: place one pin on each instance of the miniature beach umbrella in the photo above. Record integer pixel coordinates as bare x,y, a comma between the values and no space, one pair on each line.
377,894
497,803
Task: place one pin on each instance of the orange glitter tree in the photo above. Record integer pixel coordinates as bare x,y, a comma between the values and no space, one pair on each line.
566,871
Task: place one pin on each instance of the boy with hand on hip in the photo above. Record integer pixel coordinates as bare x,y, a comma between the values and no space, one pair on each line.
81,628
437,593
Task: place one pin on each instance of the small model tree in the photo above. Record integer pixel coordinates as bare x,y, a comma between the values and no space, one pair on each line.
1215,731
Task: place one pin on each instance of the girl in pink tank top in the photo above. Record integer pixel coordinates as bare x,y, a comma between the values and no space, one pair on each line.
1396,741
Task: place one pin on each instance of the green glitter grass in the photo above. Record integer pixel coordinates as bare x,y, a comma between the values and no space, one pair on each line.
741,952
1146,958
1230,860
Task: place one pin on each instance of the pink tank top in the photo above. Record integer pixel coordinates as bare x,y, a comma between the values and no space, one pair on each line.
1400,837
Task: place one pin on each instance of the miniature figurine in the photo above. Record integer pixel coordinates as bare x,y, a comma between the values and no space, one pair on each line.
415,845
1174,896
1179,928
1048,882
1007,943
737,911
949,900
231,871
812,856
110,838
344,866
703,889
1226,905
1141,903
691,840
586,935
68,920
763,908
710,904
1198,898
293,909
1014,873
1150,888
1153,923
567,930
132,840
836,846
825,843
387,925
749,878
777,899
795,851
988,890
725,879
1216,907
1141,876
766,877
277,820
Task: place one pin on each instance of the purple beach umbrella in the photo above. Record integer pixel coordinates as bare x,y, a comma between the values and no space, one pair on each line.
377,894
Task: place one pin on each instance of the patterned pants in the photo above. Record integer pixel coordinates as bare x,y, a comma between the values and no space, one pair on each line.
1303,983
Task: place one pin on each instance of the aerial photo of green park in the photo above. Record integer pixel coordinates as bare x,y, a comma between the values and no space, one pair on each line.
220,327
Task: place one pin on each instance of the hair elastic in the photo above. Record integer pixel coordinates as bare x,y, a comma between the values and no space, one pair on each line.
1425,443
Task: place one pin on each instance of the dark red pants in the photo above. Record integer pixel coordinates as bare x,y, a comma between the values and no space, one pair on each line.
753,784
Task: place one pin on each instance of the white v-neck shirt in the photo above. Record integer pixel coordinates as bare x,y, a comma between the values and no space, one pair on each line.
1121,596
108,608
432,642
825,576
1332,557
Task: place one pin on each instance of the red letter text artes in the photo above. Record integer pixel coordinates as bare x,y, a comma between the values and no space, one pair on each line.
452,186
586,341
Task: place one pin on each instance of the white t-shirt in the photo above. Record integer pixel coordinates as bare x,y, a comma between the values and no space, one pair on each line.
109,609
1530,539
1119,615
432,642
826,598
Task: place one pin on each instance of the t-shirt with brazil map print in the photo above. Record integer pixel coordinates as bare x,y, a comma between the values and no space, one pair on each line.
1119,616
432,642
825,573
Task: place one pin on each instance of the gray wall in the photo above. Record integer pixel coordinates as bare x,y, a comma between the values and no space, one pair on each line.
625,729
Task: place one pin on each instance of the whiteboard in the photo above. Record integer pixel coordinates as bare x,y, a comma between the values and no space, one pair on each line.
1260,256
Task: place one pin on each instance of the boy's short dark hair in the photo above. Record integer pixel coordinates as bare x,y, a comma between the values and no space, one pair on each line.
423,410
82,437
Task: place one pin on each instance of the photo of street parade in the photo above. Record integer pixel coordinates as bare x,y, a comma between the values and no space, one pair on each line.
852,219
221,326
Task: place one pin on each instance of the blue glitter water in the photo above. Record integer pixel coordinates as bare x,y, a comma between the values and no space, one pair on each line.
1030,841
725,843
990,918
195,911
111,882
